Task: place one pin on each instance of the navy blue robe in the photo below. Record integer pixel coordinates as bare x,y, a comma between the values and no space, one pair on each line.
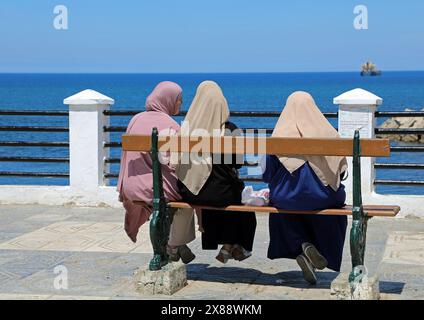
302,190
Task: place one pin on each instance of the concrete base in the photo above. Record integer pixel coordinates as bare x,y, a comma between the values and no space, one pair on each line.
368,289
169,280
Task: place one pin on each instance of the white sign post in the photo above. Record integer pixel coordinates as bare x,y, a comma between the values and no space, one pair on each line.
357,111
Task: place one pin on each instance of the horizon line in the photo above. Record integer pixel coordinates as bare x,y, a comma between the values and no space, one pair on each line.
220,72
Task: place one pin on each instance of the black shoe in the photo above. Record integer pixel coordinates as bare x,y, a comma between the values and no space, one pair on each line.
185,253
317,260
239,253
181,252
307,268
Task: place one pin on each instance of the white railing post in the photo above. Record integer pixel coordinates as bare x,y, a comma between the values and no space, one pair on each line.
86,137
357,111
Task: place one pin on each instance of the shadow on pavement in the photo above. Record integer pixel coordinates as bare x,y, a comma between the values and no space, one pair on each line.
294,279
391,287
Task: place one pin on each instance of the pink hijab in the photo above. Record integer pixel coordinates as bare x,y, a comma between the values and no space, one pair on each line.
135,182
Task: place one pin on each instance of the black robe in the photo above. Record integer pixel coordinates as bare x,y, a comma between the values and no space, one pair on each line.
223,188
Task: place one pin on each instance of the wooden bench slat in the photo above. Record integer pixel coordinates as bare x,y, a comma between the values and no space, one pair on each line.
371,210
256,145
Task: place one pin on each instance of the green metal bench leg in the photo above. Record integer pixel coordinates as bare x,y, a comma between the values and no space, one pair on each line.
360,219
160,223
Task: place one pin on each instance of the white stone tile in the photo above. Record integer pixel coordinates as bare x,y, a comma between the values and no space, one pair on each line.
19,296
103,228
82,236
405,247
74,236
70,242
118,242
30,241
66,227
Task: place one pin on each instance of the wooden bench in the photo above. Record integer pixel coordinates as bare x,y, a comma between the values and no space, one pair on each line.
162,215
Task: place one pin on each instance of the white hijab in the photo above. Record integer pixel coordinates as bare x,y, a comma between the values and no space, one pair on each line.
208,111
301,118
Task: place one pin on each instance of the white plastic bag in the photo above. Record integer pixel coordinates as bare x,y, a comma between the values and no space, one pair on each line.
255,198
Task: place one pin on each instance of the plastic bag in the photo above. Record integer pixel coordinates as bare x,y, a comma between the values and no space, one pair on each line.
255,198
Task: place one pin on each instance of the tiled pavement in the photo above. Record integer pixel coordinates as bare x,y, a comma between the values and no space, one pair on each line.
100,260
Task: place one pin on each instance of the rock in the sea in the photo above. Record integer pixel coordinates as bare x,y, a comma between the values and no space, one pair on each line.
404,123
391,123
410,138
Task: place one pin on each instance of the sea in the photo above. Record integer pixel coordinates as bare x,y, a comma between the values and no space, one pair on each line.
244,92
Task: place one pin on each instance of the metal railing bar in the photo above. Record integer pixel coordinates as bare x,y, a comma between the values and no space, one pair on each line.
129,112
33,159
33,129
399,114
33,144
266,114
113,145
34,174
411,166
407,149
399,182
114,129
258,114
398,131
112,160
33,113
123,129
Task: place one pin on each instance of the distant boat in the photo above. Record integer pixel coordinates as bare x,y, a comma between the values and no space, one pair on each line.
370,69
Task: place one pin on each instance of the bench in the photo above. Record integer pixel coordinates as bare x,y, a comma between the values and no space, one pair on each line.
162,214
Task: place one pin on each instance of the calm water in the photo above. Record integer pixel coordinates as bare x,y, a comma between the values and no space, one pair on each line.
244,92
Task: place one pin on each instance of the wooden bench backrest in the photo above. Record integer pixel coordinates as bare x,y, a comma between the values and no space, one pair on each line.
256,145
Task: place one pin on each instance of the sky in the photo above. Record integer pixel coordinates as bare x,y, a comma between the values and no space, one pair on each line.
196,36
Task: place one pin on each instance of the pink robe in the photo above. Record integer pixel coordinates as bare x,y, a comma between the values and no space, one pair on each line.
135,182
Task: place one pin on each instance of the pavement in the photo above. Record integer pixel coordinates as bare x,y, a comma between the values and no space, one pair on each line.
51,252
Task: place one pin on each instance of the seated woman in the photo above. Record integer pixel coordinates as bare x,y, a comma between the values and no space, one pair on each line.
135,181
203,181
306,183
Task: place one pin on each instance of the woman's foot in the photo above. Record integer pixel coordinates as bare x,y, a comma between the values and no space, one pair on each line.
173,253
239,253
307,269
186,254
224,254
181,252
316,258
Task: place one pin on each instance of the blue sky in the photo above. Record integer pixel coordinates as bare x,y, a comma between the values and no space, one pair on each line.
209,36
